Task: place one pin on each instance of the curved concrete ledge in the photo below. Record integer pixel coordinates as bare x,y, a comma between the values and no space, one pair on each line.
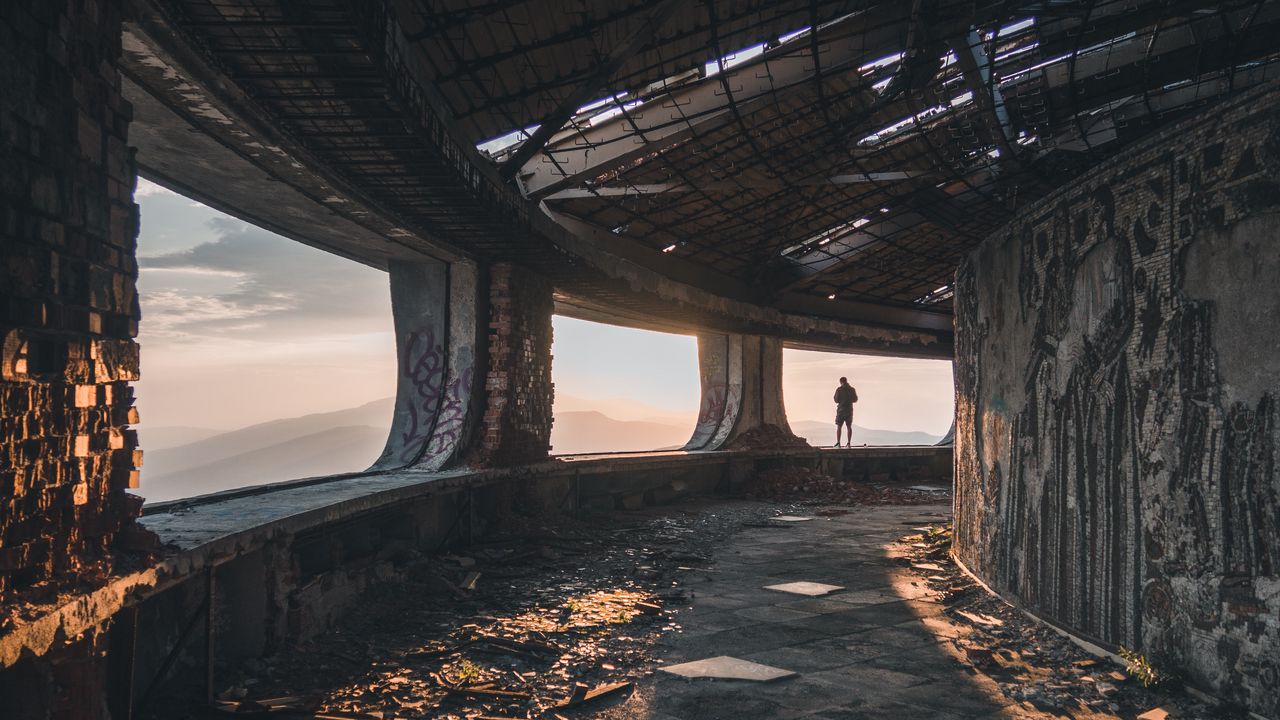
209,531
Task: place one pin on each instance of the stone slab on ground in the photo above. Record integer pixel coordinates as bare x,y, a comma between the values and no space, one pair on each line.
728,668
804,587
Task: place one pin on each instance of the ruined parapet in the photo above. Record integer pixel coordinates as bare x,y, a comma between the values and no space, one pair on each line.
68,228
1116,383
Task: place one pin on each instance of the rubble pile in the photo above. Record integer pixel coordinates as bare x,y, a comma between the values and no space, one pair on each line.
810,486
766,437
1030,661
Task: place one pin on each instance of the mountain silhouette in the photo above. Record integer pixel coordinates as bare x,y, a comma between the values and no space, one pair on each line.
349,441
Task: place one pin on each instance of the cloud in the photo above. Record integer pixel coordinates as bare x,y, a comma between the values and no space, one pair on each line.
146,188
253,284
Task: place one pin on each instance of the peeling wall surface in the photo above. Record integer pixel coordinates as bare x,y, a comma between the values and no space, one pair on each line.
1116,389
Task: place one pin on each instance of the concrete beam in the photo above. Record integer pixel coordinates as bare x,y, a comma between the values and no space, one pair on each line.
732,187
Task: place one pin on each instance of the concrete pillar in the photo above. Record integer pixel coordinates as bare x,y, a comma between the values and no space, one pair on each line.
437,308
474,366
741,378
1118,403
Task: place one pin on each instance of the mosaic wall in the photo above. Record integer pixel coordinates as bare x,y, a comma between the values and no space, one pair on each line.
1116,384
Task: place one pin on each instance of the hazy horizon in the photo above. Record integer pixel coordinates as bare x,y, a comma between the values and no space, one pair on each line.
241,326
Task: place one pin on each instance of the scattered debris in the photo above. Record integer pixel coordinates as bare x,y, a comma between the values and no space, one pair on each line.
1031,663
766,437
791,518
567,613
728,668
812,487
596,693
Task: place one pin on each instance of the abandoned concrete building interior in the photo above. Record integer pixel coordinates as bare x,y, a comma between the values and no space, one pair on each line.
1073,201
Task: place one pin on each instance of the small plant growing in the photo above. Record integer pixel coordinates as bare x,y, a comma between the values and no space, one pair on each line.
466,672
1138,666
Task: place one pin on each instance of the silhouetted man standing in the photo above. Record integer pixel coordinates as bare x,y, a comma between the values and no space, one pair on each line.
845,397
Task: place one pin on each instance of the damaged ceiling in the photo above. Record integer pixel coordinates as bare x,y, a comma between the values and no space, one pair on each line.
847,151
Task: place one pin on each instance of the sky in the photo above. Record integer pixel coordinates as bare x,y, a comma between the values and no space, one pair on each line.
240,326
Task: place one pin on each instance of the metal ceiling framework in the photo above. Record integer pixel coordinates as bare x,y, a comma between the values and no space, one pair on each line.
818,148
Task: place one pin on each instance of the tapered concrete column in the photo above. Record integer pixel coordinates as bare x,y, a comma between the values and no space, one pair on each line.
473,351
437,309
741,378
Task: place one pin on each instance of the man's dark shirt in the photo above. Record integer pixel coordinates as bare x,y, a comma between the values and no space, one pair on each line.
845,397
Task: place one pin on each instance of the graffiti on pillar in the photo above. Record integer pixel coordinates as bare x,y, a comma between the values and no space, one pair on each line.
418,397
1115,456
710,414
728,416
450,421
424,371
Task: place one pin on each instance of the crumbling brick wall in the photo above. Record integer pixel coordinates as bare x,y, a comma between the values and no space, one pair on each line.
516,427
68,303
1118,403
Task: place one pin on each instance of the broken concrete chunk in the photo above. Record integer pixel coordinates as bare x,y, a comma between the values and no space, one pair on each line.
581,694
728,668
1154,714
804,587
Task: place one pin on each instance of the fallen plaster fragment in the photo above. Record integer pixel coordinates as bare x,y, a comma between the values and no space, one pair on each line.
791,518
728,668
804,587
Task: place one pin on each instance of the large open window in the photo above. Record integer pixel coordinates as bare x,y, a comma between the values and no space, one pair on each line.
619,389
901,401
262,359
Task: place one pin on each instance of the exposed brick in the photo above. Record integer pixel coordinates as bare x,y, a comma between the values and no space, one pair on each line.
68,299
516,426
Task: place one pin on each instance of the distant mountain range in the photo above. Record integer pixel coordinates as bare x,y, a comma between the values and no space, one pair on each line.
821,434
185,461
320,444
585,431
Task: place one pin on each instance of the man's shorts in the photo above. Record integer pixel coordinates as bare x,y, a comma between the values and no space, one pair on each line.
844,415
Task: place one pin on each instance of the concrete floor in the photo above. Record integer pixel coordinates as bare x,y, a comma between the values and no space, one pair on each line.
877,649
884,646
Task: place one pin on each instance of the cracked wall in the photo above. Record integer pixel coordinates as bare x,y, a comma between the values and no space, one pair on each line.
1117,435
